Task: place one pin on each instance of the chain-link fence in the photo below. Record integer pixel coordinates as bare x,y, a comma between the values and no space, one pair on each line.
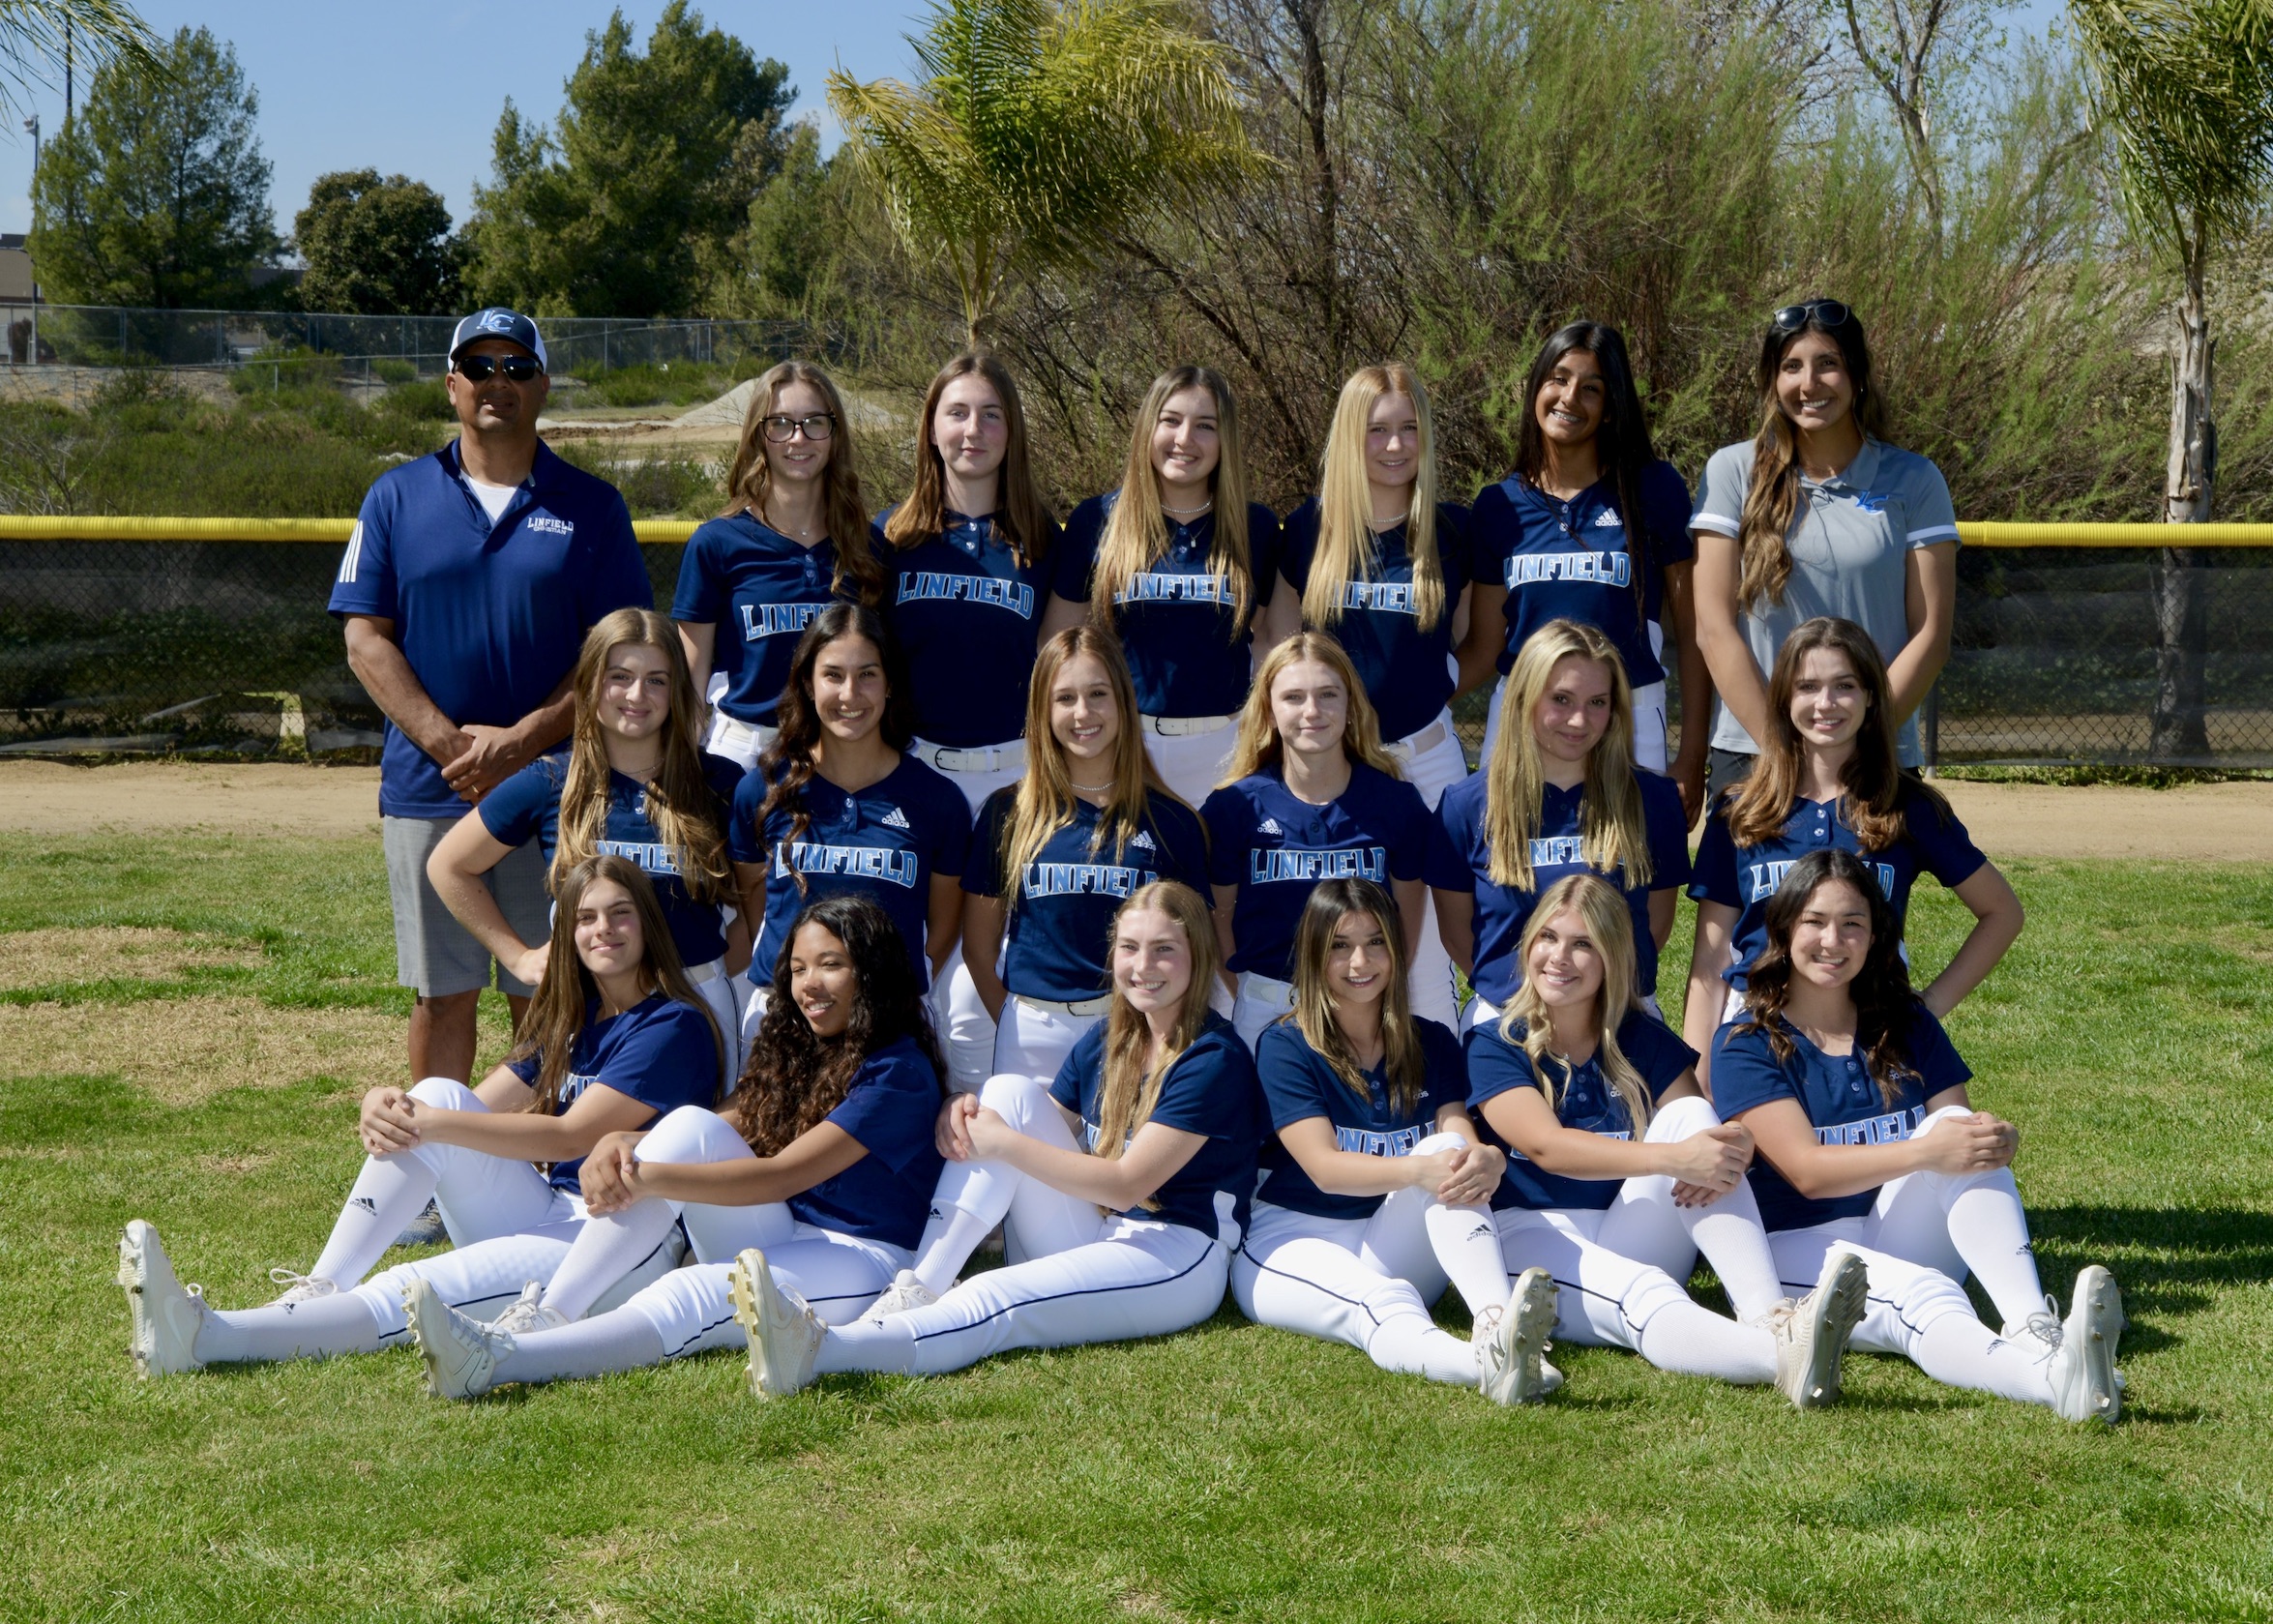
225,647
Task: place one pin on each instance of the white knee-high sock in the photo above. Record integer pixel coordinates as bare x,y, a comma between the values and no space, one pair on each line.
1690,1338
389,1192
888,1346
1959,1351
316,1329
625,1340
1728,1233
1467,1244
604,1251
950,1237
1990,1230
1414,1344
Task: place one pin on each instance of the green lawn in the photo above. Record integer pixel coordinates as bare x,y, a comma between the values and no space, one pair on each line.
1228,1472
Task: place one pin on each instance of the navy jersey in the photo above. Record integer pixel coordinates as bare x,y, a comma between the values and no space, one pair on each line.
662,1053
1460,860
1176,619
884,842
891,1108
1572,560
760,590
1299,1084
965,612
528,805
1057,945
1403,667
1210,1091
1275,847
490,616
1933,842
1584,1100
1840,1098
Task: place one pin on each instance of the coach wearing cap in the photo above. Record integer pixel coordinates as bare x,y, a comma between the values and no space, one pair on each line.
468,585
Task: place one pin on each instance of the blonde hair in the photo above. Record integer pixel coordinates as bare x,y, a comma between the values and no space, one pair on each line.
1136,531
1402,1059
678,797
1347,549
1045,802
750,476
1611,927
1258,746
1614,834
1128,1089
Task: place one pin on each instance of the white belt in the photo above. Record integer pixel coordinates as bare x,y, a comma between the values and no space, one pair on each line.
1413,744
1266,990
699,974
1184,726
1076,1007
1009,757
757,733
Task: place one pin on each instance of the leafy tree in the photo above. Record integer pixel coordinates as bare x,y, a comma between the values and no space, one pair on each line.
1043,131
157,193
376,246
651,171
34,34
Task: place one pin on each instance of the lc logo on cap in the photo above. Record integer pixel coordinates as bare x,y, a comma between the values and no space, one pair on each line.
498,322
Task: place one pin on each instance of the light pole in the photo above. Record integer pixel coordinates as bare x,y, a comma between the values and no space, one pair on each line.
32,350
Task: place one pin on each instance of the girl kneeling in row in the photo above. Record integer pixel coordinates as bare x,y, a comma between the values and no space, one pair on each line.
616,1037
1869,1148
826,1159
1375,1186
1123,1186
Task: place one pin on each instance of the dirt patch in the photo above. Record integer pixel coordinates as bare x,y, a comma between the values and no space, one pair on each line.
242,798
184,1050
54,957
2197,823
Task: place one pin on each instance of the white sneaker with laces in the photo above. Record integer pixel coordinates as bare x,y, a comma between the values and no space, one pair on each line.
529,1314
460,1354
167,1316
2085,1384
784,1334
904,1293
300,1289
1812,1333
1511,1342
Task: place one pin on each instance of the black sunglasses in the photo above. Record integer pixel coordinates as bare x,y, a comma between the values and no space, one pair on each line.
1828,311
478,369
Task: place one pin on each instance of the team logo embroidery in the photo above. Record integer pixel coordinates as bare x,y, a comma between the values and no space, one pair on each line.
890,864
760,621
1084,879
922,585
895,818
1888,1129
1367,1141
652,856
1768,876
573,1087
1870,502
1142,842
1269,826
1533,569
1296,862
1381,597
496,321
545,524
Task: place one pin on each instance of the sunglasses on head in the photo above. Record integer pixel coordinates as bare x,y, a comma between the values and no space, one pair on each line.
1829,313
479,369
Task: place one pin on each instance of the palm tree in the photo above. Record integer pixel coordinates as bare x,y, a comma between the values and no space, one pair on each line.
36,34
1041,128
2186,89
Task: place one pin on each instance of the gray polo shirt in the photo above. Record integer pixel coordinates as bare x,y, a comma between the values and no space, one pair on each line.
1850,541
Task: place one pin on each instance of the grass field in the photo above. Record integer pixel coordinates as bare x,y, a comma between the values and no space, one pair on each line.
201,1069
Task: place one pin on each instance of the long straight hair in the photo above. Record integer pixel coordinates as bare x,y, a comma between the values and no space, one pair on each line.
1130,1088
1258,746
1614,834
1330,902
557,1013
858,573
794,1078
1873,779
1020,512
1773,497
1622,448
1045,802
1884,1003
1346,550
1610,928
789,761
1136,532
678,797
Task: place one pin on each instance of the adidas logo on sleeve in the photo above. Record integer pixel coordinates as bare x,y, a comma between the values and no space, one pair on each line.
895,818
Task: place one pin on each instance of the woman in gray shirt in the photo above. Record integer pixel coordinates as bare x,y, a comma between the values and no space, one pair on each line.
1817,516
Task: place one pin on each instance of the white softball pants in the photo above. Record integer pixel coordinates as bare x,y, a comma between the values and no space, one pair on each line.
1432,771
966,1031
1033,1039
1192,764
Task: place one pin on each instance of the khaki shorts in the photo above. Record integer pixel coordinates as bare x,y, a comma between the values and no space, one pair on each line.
435,953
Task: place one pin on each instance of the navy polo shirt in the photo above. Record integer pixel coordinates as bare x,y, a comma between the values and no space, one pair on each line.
1933,843
1210,1091
1584,1100
1840,1098
760,590
884,842
1060,920
1572,560
1299,1084
661,1052
1403,667
1459,861
490,616
1177,621
1275,847
527,804
890,1109
965,612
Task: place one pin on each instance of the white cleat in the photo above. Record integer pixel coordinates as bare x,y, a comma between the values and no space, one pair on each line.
904,1293
1812,1333
529,1314
166,1315
1511,1344
460,1354
2085,1384
784,1334
300,1289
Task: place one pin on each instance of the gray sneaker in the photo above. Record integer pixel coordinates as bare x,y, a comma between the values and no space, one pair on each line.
165,1315
1511,1342
426,1229
1812,1333
2085,1384
529,1314
905,1292
461,1355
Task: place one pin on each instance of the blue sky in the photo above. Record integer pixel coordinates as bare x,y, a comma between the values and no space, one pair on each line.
420,95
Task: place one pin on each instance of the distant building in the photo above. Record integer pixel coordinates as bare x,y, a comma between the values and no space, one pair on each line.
15,270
